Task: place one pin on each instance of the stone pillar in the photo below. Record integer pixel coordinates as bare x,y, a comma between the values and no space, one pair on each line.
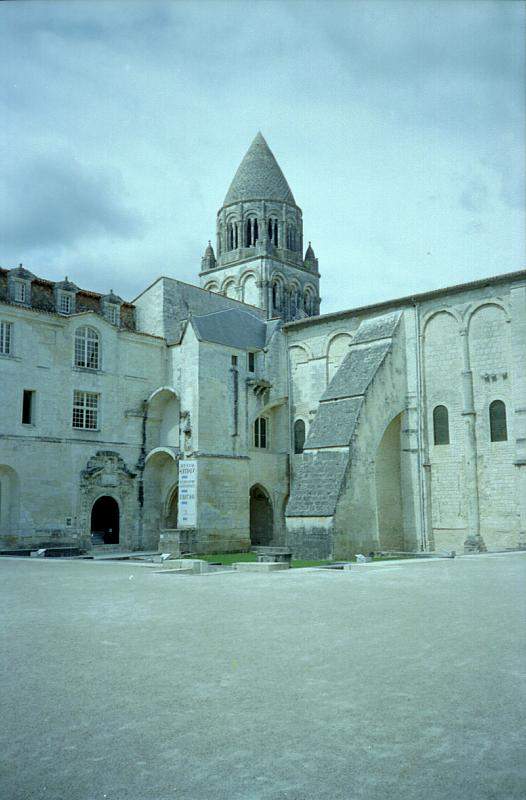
518,350
474,542
241,227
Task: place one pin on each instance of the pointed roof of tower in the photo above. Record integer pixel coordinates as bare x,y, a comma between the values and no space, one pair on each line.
259,177
309,253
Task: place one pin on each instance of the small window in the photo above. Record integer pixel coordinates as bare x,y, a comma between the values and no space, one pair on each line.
6,338
234,361
85,410
28,407
87,351
251,362
497,421
441,425
113,314
299,436
64,306
260,433
20,292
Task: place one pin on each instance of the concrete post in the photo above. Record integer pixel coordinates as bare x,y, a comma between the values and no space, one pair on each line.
474,542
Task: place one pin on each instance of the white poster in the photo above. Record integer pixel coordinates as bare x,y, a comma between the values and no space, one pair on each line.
187,509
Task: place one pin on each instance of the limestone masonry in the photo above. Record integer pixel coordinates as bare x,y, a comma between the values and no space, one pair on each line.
215,418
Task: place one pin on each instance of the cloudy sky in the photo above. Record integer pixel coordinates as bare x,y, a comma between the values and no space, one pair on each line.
400,127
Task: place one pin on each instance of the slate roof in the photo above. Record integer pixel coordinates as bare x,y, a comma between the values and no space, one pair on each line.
357,370
318,483
377,328
231,327
259,177
334,423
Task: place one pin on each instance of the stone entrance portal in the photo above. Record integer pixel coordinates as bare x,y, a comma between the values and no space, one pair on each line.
105,521
261,517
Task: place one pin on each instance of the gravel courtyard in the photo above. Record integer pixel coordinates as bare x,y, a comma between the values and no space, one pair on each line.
406,682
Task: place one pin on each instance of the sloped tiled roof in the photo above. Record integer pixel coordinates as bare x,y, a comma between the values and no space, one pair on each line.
231,327
259,177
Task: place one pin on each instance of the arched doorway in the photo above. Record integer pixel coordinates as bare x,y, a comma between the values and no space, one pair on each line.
171,509
105,521
261,517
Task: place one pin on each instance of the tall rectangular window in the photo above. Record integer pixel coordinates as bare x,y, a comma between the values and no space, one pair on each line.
260,432
20,292
251,362
85,410
113,314
65,304
28,407
6,338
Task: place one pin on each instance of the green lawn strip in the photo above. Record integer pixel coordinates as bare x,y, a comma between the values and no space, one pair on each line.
228,559
231,558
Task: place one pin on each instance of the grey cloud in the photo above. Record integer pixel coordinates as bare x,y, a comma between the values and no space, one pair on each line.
53,200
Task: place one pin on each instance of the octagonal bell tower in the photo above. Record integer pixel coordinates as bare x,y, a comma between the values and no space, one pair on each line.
259,242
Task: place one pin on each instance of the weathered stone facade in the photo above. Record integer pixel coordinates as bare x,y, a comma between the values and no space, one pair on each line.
399,426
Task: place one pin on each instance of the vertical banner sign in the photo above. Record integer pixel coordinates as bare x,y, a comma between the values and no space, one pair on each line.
187,510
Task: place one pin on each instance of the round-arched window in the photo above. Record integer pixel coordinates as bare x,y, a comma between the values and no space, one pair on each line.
299,436
497,421
87,348
440,425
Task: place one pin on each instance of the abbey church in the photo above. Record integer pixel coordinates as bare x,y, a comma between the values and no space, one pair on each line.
214,417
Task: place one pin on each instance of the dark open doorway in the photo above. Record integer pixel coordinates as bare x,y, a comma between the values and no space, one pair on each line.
105,521
171,511
261,517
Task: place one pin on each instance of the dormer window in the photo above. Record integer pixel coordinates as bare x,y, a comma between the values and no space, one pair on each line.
113,314
111,308
19,285
65,294
20,292
65,304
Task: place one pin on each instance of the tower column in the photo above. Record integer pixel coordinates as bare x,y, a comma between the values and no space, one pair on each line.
474,542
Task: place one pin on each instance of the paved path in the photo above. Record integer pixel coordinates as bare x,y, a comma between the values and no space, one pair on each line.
407,683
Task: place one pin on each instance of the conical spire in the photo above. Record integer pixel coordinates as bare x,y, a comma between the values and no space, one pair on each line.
208,261
310,261
259,177
309,253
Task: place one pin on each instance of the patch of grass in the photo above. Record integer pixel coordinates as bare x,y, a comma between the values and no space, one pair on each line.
227,558
231,558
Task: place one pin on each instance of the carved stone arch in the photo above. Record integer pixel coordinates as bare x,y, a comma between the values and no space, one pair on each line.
309,298
230,288
163,409
248,273
213,286
170,507
338,344
250,211
432,314
300,353
106,474
261,516
333,334
472,310
250,289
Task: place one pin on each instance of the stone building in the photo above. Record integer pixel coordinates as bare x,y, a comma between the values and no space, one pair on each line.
210,418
